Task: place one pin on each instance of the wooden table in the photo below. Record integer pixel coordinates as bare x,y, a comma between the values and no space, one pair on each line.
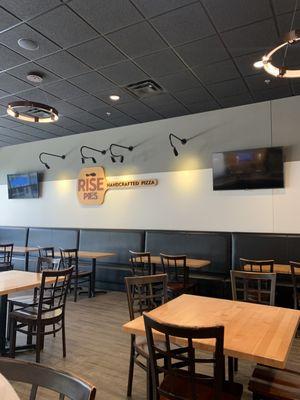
284,269
25,250
254,332
190,262
6,390
12,282
94,256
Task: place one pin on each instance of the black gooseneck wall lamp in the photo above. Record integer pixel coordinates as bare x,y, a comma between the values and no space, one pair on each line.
52,155
114,156
83,157
182,141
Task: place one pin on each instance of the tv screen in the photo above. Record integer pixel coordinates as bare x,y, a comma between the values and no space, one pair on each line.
248,169
23,186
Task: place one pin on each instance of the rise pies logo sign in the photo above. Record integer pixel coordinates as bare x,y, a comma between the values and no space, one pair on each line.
92,185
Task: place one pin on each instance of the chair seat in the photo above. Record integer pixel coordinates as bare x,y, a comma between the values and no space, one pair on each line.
142,346
272,383
31,313
183,386
179,286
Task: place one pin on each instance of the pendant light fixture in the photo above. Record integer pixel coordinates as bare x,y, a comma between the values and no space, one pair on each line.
290,39
83,157
52,155
114,156
30,111
182,141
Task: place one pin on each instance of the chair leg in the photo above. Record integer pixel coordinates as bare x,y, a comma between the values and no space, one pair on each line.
13,337
149,382
64,338
29,336
130,371
10,309
90,286
39,340
75,289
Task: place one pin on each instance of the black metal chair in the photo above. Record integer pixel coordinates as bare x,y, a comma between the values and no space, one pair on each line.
180,379
46,252
251,265
144,293
140,263
6,253
40,376
295,271
32,320
69,257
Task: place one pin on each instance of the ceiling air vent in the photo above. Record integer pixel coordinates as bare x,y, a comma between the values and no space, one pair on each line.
144,88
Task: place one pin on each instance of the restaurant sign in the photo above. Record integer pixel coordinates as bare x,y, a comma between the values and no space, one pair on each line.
92,185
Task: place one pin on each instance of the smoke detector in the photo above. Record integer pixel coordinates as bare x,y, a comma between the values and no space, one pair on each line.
35,77
144,88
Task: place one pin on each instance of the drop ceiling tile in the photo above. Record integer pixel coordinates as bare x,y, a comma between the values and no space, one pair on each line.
107,113
137,40
92,82
124,121
161,64
10,39
252,38
271,94
10,133
5,100
292,57
97,53
89,119
37,133
8,140
63,26
63,64
257,82
295,85
284,22
124,97
3,113
135,107
203,52
28,8
11,84
57,130
194,95
245,63
3,93
9,122
101,124
157,100
217,72
283,6
87,102
107,15
39,96
22,71
124,73
9,58
151,8
72,125
228,88
184,24
203,106
65,108
234,101
180,81
148,118
230,14
172,110
6,19
64,90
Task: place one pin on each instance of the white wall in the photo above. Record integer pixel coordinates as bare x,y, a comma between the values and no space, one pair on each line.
182,200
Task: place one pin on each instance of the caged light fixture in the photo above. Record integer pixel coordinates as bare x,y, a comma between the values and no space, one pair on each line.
52,155
182,141
114,156
83,157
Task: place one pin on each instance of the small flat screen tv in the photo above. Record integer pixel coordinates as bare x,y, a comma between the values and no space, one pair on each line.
248,169
23,186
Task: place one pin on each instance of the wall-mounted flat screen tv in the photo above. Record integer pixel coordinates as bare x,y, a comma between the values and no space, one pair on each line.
23,186
248,169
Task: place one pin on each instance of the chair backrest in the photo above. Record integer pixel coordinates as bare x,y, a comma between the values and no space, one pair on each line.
140,263
175,267
53,295
46,252
38,375
6,252
69,257
295,271
185,356
44,263
253,287
247,264
144,293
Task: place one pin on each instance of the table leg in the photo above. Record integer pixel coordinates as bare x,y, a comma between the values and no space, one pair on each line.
230,369
94,291
3,316
26,260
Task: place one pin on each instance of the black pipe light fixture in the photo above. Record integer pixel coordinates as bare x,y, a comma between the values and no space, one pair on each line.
114,156
52,155
83,157
182,141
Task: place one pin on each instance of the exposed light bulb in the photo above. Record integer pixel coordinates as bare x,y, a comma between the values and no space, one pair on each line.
258,64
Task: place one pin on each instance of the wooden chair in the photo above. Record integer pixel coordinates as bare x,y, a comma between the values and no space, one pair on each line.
256,265
274,384
6,253
253,287
40,376
50,311
140,263
295,271
178,274
46,252
144,293
69,257
187,384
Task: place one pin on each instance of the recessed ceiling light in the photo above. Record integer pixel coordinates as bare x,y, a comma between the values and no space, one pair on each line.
114,97
28,44
108,113
35,77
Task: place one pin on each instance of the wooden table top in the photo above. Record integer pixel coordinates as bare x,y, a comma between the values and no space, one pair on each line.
190,262
24,249
17,281
278,268
90,254
254,332
6,390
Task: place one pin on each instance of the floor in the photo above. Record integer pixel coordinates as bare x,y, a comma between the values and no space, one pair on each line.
98,350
